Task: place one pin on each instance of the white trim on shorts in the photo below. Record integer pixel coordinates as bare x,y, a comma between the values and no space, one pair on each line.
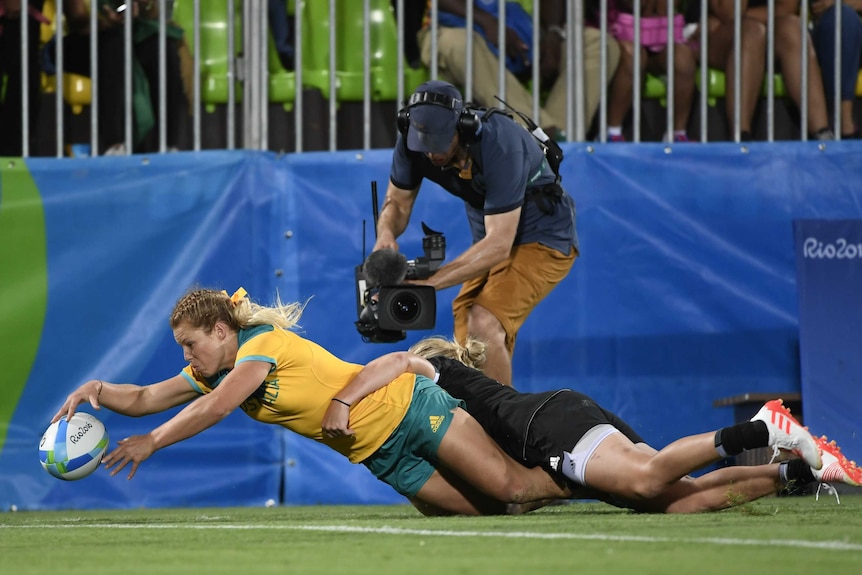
574,462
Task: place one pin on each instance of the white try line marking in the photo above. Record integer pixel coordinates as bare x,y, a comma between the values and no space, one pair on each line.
830,545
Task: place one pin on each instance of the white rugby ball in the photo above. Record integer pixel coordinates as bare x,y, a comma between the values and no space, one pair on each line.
73,449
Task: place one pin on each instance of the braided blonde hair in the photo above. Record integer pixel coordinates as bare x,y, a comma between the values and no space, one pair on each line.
202,308
471,354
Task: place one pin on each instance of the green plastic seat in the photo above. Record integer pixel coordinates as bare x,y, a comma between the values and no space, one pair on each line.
214,45
315,45
780,89
717,85
349,40
282,83
654,87
349,50
214,53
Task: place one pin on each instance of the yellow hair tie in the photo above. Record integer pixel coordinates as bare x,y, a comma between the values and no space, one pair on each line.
237,296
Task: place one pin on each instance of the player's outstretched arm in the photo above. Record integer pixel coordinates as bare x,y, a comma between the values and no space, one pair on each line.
199,415
128,398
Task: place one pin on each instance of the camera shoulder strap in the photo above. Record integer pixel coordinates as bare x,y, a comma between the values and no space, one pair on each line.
552,150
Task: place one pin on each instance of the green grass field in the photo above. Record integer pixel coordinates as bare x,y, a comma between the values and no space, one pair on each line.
782,535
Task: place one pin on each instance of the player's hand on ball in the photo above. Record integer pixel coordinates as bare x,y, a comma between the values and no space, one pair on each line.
132,450
89,392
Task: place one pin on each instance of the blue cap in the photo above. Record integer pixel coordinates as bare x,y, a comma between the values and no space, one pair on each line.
434,110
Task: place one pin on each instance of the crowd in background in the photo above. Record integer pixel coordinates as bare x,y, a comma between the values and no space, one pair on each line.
653,59
611,65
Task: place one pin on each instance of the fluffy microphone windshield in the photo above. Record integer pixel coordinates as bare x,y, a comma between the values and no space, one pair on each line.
384,268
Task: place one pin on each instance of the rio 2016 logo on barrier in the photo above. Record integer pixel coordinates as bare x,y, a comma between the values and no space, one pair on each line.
840,249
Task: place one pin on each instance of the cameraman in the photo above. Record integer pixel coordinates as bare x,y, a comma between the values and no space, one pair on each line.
522,222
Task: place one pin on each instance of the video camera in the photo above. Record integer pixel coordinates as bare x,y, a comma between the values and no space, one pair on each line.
387,307
434,246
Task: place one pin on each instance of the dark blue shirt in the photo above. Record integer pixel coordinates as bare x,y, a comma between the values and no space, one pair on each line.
507,164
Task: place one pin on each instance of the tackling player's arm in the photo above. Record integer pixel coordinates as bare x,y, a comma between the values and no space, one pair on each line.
375,375
394,215
495,247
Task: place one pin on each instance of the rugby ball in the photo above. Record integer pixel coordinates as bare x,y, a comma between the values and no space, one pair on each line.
73,449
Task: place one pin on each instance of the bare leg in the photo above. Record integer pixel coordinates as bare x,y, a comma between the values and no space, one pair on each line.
556,101
727,487
521,508
848,127
622,469
683,88
463,499
788,49
468,452
714,491
622,85
458,496
651,480
511,289
485,326
452,60
684,71
753,62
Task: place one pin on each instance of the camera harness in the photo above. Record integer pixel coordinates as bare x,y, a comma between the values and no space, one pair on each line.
549,195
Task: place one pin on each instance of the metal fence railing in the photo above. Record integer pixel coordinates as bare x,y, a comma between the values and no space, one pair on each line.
238,90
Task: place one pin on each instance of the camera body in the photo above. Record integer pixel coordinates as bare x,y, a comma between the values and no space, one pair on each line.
434,247
386,312
391,310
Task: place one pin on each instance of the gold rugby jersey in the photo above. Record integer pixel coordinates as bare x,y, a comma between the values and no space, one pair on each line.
302,380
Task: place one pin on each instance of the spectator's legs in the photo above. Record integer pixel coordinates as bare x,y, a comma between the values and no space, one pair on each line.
685,66
112,114
620,96
112,102
281,31
851,50
147,53
556,101
452,61
753,61
414,13
788,51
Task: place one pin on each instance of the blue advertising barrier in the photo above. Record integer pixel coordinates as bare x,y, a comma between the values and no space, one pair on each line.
685,291
829,267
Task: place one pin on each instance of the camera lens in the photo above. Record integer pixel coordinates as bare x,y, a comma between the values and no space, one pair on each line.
405,307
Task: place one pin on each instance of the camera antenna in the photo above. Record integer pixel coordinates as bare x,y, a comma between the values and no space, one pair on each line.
363,240
374,204
375,213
